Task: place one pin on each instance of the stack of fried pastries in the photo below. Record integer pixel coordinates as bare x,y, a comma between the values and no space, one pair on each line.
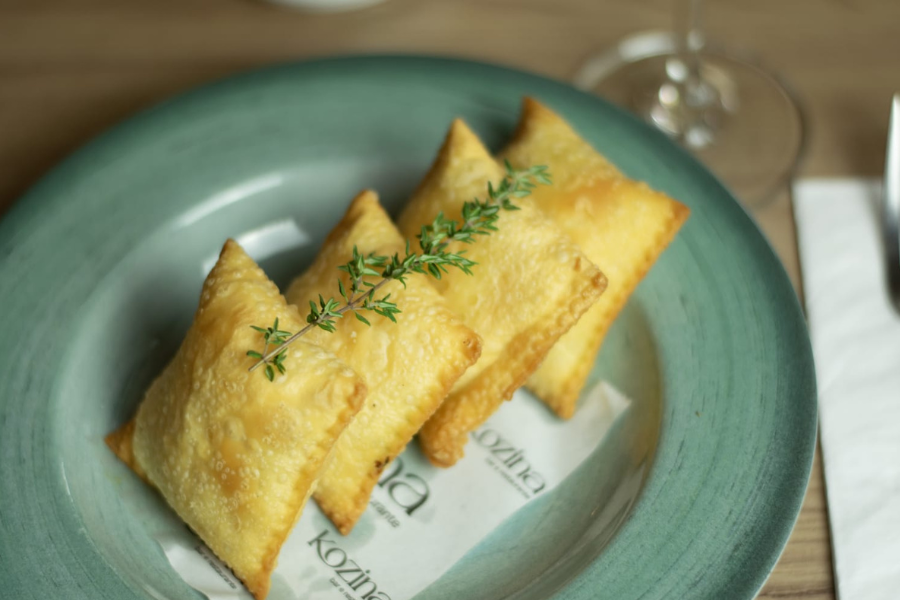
237,455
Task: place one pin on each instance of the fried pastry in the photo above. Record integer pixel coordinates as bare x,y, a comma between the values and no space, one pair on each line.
621,225
530,285
234,454
408,366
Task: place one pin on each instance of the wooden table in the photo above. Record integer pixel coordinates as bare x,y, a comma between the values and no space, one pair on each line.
68,70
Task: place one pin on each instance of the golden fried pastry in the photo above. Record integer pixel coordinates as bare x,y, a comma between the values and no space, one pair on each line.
621,225
234,454
408,366
530,285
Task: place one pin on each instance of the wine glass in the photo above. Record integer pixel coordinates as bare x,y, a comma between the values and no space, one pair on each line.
738,117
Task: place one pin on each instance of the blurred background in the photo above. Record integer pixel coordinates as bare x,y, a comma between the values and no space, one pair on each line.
70,69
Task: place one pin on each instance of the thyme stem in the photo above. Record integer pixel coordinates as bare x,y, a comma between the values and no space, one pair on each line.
353,304
478,218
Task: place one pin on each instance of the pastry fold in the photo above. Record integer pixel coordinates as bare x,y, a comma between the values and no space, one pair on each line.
408,366
531,283
621,225
235,455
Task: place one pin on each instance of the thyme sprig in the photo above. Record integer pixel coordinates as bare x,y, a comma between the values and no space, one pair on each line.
272,336
479,218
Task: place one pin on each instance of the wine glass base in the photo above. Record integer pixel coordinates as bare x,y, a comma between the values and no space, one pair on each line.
742,121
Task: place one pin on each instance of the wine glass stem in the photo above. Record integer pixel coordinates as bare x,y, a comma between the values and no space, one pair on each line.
689,37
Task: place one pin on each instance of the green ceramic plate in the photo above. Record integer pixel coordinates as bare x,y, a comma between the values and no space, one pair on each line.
692,495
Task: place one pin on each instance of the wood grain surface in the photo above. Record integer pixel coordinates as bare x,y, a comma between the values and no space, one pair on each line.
68,70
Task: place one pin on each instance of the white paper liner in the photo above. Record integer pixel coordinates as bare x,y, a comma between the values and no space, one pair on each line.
421,519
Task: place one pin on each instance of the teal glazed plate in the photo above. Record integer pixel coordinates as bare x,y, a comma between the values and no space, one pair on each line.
691,495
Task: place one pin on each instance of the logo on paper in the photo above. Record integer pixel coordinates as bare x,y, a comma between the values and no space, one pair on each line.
510,462
356,581
407,490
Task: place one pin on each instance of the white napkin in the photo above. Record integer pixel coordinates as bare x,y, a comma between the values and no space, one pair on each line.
856,341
